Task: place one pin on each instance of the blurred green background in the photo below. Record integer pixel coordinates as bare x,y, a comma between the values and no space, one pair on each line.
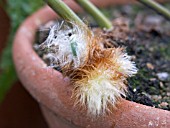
17,11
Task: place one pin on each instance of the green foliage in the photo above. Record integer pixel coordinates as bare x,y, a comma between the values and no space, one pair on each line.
18,10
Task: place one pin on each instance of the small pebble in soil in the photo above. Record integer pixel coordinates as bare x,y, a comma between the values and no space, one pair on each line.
161,84
163,76
152,79
149,66
163,105
156,97
168,94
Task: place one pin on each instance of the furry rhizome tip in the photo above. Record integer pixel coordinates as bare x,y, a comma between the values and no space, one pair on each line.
98,74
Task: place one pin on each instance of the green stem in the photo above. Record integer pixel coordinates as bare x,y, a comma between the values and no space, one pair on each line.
157,7
96,13
64,11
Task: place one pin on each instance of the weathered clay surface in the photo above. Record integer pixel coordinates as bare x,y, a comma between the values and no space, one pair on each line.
53,91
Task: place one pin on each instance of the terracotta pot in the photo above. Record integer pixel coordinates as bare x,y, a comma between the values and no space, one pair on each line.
20,110
53,91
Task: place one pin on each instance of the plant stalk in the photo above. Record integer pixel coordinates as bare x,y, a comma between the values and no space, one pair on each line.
64,11
157,7
95,13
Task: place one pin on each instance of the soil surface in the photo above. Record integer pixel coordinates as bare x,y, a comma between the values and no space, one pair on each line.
151,86
147,40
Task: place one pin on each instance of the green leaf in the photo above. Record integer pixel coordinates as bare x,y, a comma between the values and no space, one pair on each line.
73,48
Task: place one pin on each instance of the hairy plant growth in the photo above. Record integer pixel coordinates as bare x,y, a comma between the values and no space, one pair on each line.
97,73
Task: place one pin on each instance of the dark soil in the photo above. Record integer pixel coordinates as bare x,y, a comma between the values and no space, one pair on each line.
148,42
150,54
150,51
